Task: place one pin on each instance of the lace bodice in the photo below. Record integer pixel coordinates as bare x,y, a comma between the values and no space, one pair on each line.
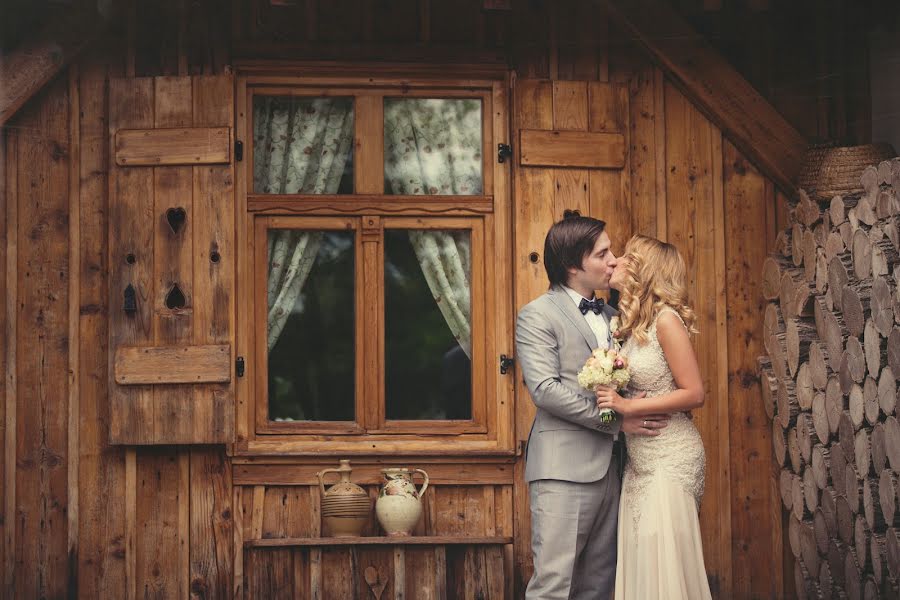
677,453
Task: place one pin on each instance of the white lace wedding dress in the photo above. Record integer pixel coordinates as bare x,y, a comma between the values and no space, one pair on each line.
660,554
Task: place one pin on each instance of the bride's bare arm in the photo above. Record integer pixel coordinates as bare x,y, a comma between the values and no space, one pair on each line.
676,345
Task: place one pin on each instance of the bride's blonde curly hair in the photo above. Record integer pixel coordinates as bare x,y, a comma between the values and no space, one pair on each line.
655,277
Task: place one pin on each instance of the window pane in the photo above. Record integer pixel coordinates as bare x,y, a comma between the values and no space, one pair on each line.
432,146
302,145
428,340
311,325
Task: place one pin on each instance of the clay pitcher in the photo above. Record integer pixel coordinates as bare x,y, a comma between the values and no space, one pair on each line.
345,505
399,504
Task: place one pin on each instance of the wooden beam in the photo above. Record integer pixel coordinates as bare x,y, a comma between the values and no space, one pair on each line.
411,540
187,146
27,69
726,98
587,149
173,364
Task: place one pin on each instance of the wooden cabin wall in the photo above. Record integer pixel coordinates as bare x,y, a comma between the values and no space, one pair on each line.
82,517
685,183
172,521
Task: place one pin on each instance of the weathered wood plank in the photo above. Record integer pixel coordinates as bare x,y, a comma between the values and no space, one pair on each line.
413,540
533,108
173,146
74,430
538,148
172,364
570,105
172,266
609,188
747,196
214,260
693,153
369,473
130,260
101,474
9,208
212,524
42,335
157,547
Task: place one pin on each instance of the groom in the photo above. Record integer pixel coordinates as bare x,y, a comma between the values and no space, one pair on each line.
573,491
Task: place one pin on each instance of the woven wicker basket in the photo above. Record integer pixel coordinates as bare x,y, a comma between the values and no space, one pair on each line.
809,170
841,168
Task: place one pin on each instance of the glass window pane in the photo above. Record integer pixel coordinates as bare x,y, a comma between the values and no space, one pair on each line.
428,333
302,145
432,146
311,325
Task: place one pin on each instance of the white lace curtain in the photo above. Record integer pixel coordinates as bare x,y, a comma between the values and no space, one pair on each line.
301,147
433,146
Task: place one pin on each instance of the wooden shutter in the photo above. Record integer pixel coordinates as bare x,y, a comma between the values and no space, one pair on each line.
171,223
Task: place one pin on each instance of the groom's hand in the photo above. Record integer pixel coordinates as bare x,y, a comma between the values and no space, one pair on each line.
648,425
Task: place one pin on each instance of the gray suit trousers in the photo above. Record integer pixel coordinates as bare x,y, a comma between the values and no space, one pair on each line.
573,538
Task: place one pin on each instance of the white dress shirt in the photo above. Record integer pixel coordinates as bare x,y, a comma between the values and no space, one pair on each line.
596,322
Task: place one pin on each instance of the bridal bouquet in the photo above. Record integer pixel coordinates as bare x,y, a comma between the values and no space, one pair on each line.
605,367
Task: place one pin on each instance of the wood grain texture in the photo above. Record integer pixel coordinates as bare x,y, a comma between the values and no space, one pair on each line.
101,474
747,194
538,148
172,146
693,181
42,337
172,364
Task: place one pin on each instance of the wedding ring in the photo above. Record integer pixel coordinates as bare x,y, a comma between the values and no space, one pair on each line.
645,423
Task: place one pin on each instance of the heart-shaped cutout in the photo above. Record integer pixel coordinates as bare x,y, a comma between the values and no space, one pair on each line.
176,218
175,298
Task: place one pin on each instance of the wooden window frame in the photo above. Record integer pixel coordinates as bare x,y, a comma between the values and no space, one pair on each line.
369,211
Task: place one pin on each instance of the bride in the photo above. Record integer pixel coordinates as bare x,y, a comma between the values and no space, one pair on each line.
660,554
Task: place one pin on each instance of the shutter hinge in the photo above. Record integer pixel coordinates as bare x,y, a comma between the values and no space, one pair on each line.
504,151
506,362
238,150
239,366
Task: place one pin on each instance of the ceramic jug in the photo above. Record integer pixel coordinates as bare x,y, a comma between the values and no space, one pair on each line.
345,506
399,504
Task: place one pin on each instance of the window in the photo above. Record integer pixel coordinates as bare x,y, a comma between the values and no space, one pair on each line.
375,236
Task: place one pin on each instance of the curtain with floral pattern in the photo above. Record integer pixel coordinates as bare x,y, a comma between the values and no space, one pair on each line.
433,146
301,146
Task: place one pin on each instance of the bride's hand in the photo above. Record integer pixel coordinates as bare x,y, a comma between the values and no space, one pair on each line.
608,397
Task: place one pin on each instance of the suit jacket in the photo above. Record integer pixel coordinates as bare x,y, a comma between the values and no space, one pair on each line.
567,440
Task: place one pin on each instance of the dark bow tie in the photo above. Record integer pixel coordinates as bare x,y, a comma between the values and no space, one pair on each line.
595,305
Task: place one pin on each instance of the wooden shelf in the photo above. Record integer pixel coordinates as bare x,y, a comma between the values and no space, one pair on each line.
413,540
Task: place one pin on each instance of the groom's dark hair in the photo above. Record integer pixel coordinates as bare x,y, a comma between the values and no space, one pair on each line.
567,243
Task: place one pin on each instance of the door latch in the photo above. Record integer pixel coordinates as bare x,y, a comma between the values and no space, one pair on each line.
506,362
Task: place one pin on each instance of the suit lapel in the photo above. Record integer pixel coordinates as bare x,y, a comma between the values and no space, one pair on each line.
564,303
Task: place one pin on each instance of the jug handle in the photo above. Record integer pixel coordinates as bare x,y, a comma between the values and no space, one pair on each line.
424,485
321,476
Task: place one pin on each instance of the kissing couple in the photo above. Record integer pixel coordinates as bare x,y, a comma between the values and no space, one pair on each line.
596,533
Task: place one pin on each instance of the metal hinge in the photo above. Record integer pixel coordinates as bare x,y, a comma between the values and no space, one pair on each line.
504,151
506,362
238,150
239,366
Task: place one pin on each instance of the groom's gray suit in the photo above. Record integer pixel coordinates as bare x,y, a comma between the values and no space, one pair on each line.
574,493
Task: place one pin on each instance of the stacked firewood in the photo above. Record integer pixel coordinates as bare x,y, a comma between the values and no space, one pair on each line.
830,386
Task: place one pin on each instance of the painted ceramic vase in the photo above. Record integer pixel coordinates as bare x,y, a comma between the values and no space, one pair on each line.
345,506
399,504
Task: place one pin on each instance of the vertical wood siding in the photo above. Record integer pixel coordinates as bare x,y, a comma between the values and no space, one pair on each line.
169,521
